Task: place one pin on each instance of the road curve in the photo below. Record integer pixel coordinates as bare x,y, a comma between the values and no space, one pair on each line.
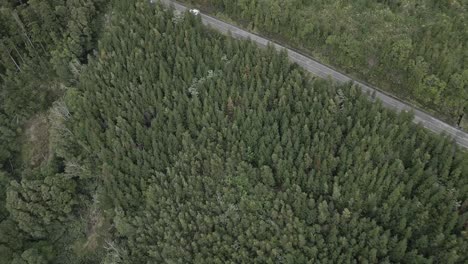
318,69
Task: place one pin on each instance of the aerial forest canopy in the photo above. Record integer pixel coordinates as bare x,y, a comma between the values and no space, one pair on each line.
414,49
176,144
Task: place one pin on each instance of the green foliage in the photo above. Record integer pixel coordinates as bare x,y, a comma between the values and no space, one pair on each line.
3,187
11,240
40,202
39,254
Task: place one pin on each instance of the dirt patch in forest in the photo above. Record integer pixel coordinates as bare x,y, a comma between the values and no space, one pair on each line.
35,143
95,225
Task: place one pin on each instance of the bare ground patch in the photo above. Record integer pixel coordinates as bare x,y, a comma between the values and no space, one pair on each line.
35,143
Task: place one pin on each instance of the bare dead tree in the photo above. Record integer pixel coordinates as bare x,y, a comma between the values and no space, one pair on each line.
14,61
114,251
17,52
23,29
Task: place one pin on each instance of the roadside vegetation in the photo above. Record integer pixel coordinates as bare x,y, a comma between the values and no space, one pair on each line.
416,50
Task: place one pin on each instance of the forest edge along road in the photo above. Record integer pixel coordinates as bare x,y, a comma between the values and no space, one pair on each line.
323,71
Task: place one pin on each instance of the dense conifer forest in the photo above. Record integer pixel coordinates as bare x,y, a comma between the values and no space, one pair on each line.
414,49
166,142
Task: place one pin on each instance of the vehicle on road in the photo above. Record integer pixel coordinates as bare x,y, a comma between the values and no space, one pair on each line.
196,12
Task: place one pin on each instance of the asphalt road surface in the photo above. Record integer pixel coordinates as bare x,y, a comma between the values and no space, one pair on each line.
323,71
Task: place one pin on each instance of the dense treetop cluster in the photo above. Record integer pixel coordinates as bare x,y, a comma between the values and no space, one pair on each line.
176,144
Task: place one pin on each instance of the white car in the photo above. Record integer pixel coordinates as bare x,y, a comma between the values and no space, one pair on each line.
196,12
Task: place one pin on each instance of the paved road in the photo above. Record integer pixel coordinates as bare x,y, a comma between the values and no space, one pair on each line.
323,71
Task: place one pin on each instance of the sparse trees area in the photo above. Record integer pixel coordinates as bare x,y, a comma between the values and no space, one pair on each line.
42,44
176,144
